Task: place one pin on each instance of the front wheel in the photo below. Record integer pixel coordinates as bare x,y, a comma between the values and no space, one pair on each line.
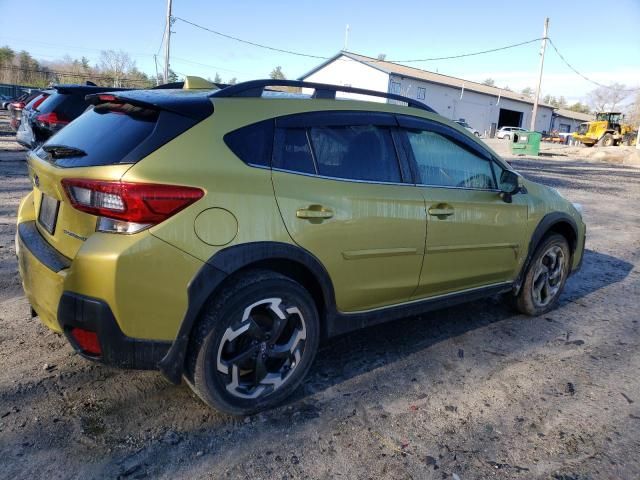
254,343
607,140
545,277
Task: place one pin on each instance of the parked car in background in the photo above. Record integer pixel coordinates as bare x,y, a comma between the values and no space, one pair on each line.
63,104
29,110
507,132
16,107
4,101
464,124
220,235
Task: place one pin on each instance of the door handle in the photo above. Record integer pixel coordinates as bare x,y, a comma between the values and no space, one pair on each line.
441,210
313,212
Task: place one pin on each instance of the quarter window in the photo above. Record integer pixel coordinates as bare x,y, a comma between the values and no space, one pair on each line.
357,152
442,162
253,143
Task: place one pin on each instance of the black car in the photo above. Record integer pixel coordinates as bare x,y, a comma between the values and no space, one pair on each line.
64,104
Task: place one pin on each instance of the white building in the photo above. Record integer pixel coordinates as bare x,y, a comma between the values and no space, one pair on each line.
483,107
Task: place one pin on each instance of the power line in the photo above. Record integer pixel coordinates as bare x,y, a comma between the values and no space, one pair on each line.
164,31
584,76
463,55
308,55
173,57
290,52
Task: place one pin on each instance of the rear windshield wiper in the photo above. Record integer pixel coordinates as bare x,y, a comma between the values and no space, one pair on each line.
63,151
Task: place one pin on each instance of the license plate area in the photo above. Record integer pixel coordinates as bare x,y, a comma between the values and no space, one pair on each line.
48,213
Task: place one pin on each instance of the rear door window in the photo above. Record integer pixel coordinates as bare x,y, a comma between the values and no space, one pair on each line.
294,152
356,152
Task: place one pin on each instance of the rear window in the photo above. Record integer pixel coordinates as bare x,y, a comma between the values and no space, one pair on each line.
104,135
36,99
67,107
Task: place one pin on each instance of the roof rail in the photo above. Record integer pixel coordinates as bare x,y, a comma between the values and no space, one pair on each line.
255,88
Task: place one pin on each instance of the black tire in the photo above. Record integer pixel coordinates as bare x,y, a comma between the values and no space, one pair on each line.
266,296
541,290
507,137
607,140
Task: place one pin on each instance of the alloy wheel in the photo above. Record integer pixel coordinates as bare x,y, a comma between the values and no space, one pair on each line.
259,353
548,277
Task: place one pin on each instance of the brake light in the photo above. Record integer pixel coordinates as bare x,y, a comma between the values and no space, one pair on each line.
51,120
87,341
107,98
126,207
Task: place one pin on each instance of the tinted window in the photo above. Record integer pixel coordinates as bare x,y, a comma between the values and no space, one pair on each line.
104,135
363,152
253,143
293,152
67,107
443,162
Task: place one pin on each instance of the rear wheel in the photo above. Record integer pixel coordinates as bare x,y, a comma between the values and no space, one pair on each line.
254,343
545,278
507,137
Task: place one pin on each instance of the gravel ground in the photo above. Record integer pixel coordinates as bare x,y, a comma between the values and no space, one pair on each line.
471,392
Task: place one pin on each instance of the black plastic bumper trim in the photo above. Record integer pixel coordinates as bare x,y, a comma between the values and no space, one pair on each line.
118,350
40,248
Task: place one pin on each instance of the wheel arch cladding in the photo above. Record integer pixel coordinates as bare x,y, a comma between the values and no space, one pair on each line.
556,222
289,260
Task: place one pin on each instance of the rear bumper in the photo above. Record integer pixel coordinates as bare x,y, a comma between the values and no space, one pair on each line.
79,311
43,271
115,287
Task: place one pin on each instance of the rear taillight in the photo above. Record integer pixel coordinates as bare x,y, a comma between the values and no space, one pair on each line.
51,120
126,207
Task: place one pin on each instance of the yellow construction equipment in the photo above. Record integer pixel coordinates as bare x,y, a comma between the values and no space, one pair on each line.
606,130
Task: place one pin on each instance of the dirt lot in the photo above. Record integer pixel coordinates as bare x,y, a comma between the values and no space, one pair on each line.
471,392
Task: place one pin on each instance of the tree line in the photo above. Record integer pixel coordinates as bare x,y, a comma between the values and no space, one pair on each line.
114,69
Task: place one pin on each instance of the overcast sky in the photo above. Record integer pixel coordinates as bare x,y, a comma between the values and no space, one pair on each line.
604,45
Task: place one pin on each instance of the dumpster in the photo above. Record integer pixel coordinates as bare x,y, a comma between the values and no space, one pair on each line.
526,143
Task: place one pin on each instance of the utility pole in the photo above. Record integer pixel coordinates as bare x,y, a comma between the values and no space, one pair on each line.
346,38
537,99
167,36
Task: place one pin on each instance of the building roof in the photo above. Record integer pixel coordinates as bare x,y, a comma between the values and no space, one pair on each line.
583,117
412,72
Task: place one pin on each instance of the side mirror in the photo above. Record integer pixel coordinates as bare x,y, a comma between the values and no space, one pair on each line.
509,185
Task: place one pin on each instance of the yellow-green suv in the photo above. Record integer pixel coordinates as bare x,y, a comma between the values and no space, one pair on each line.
219,235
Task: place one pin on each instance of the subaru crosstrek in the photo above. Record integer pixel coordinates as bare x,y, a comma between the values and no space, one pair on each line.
219,235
